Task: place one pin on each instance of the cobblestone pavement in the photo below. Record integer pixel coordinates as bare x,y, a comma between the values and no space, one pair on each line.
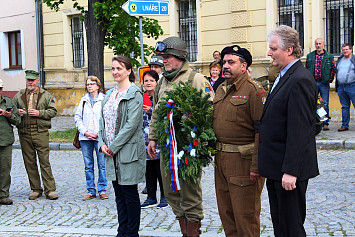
330,210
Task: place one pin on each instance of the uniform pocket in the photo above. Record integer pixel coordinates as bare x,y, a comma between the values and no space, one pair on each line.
237,109
241,181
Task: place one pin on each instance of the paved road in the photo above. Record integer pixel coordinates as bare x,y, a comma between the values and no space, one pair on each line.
330,210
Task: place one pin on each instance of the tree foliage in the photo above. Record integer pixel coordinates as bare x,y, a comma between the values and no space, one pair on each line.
121,30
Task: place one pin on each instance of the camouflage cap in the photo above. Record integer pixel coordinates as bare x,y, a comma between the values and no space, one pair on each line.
156,60
31,74
1,84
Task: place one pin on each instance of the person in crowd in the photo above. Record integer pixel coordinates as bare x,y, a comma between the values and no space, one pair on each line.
217,59
186,203
217,56
153,173
287,146
156,64
321,64
215,78
9,116
36,107
238,105
87,118
345,83
122,142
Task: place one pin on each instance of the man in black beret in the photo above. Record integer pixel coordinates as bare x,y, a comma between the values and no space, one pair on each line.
238,105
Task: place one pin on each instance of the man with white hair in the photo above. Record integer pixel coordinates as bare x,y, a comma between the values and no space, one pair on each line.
287,146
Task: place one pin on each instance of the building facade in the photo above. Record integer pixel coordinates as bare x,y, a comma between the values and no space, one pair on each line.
206,26
18,43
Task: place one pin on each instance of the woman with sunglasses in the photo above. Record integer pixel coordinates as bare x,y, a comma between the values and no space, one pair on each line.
121,140
87,121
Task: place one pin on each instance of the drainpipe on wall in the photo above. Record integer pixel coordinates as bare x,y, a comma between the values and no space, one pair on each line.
39,37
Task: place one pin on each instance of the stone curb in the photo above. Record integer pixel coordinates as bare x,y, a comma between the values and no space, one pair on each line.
321,144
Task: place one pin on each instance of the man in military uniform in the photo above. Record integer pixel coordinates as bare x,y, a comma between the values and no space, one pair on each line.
186,203
238,105
8,116
36,108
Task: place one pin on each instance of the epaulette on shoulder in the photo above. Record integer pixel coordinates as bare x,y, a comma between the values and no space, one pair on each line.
257,85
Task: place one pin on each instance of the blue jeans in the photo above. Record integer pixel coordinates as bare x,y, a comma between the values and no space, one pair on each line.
87,147
323,89
346,95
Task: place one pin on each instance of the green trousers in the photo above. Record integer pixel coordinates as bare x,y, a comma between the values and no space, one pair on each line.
186,203
5,168
33,143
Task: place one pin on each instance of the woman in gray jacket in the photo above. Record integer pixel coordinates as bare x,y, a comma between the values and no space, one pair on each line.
121,140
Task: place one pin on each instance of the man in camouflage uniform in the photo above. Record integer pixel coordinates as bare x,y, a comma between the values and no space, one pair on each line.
238,105
186,203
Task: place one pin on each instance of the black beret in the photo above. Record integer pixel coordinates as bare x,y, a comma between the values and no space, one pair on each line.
238,51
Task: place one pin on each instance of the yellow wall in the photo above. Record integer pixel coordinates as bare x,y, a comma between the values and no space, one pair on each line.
220,24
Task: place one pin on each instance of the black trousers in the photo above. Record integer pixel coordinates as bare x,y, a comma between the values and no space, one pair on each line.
128,209
287,208
153,174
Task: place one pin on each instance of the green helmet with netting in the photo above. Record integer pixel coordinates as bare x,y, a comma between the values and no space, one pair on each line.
172,46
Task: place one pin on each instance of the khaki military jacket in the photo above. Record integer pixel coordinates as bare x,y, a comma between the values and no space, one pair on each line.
200,82
45,105
237,113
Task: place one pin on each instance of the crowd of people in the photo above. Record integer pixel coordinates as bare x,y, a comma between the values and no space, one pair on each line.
260,135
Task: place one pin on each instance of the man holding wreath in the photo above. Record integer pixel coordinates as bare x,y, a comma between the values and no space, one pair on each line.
187,202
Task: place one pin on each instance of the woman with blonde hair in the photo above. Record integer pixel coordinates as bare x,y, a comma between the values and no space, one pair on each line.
87,121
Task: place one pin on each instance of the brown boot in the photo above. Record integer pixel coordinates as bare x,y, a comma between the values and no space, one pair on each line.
183,227
193,229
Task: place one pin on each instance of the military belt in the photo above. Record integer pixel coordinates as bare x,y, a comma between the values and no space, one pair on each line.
32,126
227,147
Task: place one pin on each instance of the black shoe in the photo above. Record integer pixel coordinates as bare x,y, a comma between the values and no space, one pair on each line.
6,201
145,190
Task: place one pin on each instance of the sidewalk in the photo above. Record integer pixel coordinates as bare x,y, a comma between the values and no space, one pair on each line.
331,139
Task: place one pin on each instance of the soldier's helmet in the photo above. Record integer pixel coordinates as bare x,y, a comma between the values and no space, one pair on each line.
172,46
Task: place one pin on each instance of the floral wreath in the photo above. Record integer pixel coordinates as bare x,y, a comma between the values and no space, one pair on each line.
185,134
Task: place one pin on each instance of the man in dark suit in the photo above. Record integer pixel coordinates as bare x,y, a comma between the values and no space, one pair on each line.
287,148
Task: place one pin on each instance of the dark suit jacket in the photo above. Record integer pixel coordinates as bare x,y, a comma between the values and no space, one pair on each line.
287,132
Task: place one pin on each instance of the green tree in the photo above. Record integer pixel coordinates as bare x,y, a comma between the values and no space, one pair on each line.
107,24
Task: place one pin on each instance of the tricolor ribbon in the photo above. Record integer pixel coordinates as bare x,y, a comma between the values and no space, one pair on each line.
173,149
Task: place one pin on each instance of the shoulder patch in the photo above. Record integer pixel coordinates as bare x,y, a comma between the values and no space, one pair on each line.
207,87
260,92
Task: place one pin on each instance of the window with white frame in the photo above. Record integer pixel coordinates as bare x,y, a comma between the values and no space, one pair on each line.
77,42
291,14
15,52
339,17
188,27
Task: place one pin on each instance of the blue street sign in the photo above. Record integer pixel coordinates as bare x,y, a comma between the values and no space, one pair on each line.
146,8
